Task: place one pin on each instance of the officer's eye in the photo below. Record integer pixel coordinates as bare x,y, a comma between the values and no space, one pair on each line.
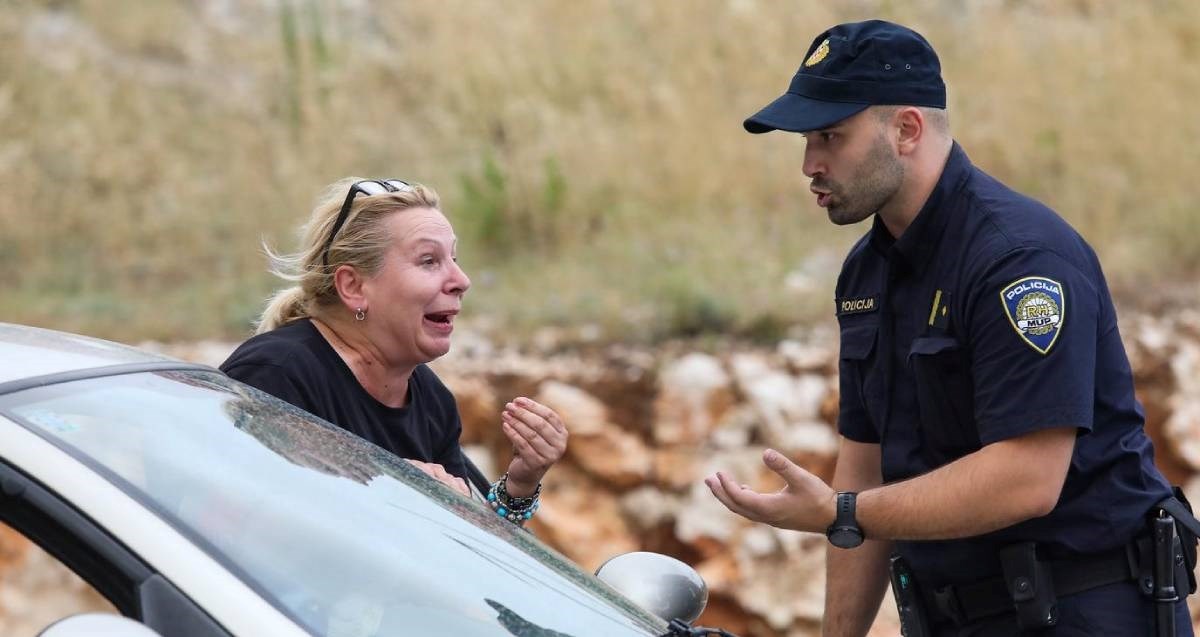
827,136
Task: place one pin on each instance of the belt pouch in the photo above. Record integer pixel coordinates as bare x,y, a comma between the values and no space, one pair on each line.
1030,585
909,603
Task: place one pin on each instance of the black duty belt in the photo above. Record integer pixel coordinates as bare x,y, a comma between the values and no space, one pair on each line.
966,603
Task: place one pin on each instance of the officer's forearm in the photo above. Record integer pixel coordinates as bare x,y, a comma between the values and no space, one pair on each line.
1000,485
855,579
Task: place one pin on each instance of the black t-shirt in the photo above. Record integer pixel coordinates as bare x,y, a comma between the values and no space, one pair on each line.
296,364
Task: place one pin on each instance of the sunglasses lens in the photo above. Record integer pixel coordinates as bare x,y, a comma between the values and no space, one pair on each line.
398,186
372,187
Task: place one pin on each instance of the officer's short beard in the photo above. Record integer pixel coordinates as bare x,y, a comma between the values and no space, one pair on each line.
872,186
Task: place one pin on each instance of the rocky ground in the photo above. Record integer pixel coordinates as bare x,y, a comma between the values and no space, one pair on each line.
648,424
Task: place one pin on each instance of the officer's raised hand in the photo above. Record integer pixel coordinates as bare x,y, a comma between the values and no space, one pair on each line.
805,503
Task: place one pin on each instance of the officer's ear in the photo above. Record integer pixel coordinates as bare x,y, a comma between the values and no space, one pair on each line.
910,126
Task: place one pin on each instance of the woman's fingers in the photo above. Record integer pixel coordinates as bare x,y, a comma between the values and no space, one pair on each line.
537,423
439,473
542,411
526,438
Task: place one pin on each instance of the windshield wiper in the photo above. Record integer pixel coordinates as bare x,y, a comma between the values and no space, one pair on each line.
680,628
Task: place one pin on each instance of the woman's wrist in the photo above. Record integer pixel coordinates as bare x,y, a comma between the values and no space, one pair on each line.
514,508
520,488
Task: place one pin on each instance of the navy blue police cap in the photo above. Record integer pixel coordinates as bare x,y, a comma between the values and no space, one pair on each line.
850,67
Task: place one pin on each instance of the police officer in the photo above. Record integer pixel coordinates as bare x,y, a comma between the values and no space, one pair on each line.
991,443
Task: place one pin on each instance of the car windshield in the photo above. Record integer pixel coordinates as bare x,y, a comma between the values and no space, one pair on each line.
343,537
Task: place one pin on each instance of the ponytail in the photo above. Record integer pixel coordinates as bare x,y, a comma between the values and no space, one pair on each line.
284,306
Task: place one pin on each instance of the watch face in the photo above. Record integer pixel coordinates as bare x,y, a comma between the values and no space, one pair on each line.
845,537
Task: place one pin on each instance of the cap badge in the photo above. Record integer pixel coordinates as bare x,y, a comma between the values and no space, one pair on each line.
1035,308
819,54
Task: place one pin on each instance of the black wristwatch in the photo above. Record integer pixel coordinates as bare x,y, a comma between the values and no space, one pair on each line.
844,532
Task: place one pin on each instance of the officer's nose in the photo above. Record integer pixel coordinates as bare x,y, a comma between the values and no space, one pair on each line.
812,166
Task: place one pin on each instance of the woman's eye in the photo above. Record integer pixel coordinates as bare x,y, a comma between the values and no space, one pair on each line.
827,137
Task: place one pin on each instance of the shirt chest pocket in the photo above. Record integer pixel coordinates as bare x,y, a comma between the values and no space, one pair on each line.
941,369
858,354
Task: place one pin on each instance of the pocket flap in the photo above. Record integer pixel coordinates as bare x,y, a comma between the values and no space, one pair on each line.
858,341
928,345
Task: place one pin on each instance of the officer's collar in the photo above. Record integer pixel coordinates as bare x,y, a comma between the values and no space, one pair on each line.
916,246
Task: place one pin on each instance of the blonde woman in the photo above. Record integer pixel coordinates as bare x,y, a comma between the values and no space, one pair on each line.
376,289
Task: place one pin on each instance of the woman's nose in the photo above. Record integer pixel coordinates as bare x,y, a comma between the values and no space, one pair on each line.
459,282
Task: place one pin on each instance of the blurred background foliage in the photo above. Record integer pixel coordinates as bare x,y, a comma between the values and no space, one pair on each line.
589,152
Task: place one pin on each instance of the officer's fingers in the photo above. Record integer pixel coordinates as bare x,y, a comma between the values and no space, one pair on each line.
718,490
794,475
754,504
461,486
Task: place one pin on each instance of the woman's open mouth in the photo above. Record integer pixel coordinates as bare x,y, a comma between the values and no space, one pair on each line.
442,322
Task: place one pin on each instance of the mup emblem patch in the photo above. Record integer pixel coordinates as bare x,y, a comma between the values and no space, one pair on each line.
1035,308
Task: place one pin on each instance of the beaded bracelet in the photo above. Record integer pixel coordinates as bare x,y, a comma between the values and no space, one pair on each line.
513,509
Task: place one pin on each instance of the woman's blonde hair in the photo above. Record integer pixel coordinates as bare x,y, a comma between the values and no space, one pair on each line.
361,243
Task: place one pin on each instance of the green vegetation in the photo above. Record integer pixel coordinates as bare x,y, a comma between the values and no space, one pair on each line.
590,153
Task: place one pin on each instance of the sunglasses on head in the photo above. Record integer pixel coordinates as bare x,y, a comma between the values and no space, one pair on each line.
368,187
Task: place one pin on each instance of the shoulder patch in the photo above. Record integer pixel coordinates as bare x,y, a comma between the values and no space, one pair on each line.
1036,309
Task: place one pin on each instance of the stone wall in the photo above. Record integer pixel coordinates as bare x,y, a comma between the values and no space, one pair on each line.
648,425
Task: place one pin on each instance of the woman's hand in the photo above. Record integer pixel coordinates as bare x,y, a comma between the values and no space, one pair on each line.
539,439
439,473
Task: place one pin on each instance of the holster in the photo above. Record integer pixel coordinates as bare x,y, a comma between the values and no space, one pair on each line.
1188,531
1030,585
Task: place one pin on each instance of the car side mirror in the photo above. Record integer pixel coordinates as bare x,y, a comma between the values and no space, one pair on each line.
660,584
97,625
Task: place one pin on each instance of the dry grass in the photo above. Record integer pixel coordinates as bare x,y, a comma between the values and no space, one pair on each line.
590,153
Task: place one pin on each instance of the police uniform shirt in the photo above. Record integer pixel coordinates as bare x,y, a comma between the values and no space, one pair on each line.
988,319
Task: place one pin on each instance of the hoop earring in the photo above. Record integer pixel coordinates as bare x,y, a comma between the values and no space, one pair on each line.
360,315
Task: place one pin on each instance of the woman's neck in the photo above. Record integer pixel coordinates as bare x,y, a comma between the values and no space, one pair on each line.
386,383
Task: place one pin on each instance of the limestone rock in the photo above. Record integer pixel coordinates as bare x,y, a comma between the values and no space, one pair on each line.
582,520
582,413
599,447
478,407
647,507
694,393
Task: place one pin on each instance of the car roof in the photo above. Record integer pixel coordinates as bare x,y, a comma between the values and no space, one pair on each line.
26,352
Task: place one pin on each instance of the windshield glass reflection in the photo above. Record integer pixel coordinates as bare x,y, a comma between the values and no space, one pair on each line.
345,538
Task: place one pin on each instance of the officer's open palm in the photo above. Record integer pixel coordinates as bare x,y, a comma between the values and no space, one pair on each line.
805,503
